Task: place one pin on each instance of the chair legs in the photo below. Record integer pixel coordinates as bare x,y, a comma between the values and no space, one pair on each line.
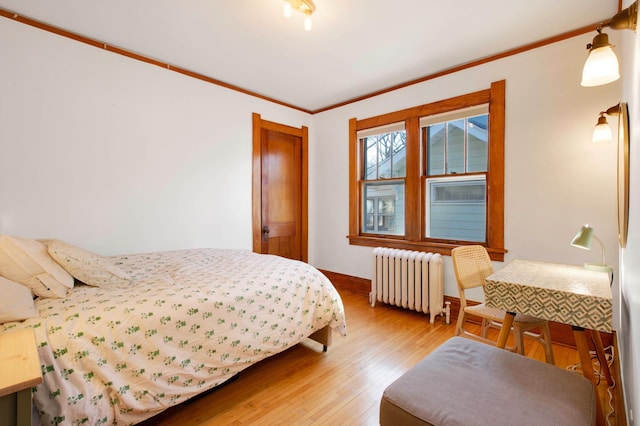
548,349
518,337
460,323
486,324
482,337
544,338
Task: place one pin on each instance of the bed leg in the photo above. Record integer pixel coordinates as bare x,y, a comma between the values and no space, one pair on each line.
322,336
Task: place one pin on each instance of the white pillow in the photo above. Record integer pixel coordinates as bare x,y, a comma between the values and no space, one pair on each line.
86,266
27,262
16,303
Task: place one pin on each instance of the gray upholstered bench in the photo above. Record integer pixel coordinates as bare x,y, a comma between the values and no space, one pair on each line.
464,382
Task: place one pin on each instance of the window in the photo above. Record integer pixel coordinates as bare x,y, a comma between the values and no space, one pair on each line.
383,189
385,155
456,209
456,145
431,177
380,212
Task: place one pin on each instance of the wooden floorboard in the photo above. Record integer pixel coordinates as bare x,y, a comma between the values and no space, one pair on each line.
305,386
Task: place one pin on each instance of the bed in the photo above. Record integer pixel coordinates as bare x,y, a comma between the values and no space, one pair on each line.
133,335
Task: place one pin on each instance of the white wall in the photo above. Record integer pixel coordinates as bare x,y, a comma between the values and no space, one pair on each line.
629,335
120,156
556,178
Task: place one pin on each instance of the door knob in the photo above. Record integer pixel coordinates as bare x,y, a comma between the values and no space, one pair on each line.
265,232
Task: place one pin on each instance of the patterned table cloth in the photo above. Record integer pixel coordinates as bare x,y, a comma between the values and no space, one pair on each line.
191,320
567,294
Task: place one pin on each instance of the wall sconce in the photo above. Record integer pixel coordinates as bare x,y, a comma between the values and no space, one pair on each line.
602,131
601,66
307,7
583,240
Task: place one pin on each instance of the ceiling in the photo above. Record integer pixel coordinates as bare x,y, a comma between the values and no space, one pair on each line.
356,47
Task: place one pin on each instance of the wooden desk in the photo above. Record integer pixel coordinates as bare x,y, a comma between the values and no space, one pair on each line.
19,371
563,293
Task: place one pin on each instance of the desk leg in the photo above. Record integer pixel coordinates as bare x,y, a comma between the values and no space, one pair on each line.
505,330
587,369
597,342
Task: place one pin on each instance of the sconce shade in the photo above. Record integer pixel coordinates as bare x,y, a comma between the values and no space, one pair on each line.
583,238
601,66
602,131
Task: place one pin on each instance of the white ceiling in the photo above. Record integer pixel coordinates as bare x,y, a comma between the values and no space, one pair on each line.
356,47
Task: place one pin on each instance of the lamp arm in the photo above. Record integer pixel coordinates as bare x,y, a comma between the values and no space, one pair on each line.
602,246
626,19
614,110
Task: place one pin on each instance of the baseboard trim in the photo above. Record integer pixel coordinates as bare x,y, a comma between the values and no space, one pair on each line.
619,409
561,334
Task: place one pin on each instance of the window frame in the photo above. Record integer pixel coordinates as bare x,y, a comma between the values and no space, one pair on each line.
415,212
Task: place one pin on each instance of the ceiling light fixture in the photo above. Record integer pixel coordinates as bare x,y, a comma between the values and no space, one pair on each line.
602,66
307,7
602,131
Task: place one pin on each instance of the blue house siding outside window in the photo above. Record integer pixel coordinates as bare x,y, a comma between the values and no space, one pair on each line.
457,209
455,192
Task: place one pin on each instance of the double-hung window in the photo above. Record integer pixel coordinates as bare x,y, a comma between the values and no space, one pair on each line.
456,147
430,178
383,183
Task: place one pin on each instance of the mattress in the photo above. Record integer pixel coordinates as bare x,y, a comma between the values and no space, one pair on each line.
189,321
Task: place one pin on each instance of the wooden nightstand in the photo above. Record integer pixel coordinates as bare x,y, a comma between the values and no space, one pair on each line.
19,371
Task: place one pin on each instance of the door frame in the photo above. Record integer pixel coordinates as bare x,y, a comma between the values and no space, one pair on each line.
258,125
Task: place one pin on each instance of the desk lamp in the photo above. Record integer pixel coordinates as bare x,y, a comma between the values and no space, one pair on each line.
583,240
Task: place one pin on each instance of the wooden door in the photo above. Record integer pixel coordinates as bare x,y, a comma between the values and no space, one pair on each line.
279,187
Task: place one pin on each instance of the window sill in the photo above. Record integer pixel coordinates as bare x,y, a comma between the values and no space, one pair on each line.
444,248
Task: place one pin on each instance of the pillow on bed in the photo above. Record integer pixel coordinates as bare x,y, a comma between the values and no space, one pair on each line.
27,262
86,266
16,303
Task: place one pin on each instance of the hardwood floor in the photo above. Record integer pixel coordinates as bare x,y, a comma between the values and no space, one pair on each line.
304,386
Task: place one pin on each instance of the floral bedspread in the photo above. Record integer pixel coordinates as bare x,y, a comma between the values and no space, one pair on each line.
190,321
